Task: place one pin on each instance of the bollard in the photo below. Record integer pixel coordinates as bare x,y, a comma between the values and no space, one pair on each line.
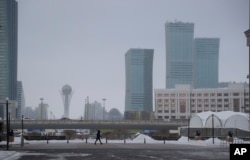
106,140
164,140
67,139
47,139
144,141
86,140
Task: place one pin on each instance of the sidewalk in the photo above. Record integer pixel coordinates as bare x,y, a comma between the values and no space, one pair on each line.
8,155
83,145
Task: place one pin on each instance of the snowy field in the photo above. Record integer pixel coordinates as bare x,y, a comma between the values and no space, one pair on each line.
8,155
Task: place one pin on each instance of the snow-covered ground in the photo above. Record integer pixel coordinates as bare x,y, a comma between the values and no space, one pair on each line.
141,138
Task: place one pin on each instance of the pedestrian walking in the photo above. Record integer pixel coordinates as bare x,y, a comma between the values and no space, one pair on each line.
98,137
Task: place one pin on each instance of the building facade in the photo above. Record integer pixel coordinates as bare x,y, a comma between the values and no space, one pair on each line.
139,83
20,100
95,111
206,62
42,111
179,53
184,101
29,113
188,60
8,50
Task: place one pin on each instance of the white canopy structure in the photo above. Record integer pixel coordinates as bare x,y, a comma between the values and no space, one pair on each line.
224,119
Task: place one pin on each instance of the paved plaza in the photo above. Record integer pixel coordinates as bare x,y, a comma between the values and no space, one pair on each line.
120,151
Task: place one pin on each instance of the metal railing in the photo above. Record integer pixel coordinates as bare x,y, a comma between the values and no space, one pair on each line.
16,124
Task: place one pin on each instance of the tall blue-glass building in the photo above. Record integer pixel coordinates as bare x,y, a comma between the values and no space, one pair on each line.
190,60
139,81
8,51
179,53
206,62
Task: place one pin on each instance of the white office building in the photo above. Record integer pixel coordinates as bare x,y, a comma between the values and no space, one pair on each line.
184,101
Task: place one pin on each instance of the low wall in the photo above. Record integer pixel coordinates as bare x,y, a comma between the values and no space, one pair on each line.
218,132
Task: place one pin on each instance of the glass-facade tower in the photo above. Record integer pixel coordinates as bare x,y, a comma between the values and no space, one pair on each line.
8,50
139,80
179,53
206,62
189,60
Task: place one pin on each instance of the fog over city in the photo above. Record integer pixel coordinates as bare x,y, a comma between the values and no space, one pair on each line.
83,43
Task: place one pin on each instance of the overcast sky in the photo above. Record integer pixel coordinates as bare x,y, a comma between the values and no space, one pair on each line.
83,43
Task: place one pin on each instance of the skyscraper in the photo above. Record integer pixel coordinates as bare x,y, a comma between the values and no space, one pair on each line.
179,53
139,83
8,50
206,62
188,60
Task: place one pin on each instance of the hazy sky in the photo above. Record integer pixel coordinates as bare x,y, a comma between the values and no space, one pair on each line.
83,43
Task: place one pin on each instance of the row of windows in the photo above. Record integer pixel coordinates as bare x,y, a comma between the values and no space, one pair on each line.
166,101
202,94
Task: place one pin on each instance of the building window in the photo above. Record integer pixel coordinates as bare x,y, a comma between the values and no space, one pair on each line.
159,95
182,105
165,95
159,111
236,94
236,105
182,95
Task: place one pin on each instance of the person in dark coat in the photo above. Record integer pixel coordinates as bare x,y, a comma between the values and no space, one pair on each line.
98,137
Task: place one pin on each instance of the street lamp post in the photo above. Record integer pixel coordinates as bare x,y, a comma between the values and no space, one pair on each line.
7,123
85,109
103,108
22,140
41,108
190,110
213,127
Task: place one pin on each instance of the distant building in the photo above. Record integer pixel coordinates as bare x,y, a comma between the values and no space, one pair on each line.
189,60
184,101
179,53
20,100
95,111
115,114
42,112
139,83
29,113
206,62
